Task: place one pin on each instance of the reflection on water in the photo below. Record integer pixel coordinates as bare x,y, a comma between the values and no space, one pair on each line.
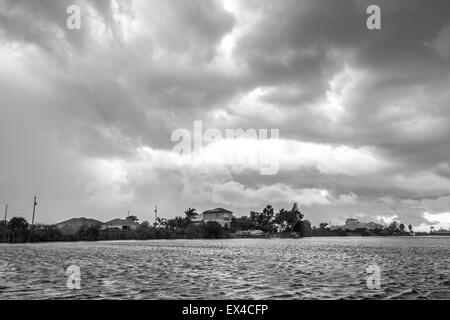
312,268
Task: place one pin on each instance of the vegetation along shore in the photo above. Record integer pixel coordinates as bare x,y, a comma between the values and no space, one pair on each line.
284,223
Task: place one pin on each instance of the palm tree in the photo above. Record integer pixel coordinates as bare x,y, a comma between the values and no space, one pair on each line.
190,213
132,218
323,225
160,222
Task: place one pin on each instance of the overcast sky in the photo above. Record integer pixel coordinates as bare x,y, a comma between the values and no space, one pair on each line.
86,116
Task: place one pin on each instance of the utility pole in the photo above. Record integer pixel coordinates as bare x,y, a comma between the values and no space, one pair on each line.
6,211
34,210
156,213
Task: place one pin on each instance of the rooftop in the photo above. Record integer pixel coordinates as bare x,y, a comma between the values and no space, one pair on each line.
218,210
121,222
78,222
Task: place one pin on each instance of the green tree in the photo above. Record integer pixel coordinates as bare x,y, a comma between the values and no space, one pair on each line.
190,213
44,232
393,228
284,220
132,218
214,230
242,223
263,220
295,209
144,225
303,228
323,225
145,231
177,223
289,219
402,227
160,222
4,231
19,229
410,227
89,232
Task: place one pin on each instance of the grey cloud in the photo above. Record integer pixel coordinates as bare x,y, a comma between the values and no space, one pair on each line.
103,98
401,72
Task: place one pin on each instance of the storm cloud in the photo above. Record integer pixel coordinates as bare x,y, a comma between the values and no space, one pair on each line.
86,116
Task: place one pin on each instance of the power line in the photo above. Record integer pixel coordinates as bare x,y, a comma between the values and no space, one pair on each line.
23,209
13,207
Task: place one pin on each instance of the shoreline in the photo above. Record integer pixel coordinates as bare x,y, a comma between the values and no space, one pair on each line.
214,239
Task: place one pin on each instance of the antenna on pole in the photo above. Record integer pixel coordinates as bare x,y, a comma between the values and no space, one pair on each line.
34,210
156,213
6,211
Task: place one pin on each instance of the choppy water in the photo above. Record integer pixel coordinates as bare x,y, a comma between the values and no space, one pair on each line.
313,268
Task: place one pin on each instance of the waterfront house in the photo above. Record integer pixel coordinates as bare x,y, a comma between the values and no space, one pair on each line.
353,225
72,226
120,224
442,232
219,215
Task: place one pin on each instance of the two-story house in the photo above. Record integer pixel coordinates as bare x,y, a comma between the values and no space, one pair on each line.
219,215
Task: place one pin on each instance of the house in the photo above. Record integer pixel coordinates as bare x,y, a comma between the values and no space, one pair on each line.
442,232
72,226
120,224
219,215
353,225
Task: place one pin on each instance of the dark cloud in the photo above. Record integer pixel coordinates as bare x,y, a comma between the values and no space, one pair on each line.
91,103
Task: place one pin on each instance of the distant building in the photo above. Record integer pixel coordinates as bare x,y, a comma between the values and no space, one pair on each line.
72,226
351,222
219,215
120,224
442,232
353,225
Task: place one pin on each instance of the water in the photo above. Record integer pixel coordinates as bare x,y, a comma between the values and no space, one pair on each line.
312,268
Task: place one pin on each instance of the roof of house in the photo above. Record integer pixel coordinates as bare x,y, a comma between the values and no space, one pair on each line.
358,225
78,222
217,210
121,222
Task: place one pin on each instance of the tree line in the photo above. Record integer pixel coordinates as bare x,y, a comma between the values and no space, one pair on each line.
18,230
284,223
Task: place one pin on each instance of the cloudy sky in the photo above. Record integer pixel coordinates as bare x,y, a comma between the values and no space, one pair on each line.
86,116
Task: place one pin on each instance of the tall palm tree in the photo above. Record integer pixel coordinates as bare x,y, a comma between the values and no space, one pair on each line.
190,213
160,222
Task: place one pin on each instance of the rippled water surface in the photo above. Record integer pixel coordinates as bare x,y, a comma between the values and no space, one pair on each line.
313,268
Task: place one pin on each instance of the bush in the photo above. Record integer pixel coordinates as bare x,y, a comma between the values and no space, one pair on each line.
42,232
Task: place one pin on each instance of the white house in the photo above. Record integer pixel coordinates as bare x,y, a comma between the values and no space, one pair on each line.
353,224
73,225
120,224
219,215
